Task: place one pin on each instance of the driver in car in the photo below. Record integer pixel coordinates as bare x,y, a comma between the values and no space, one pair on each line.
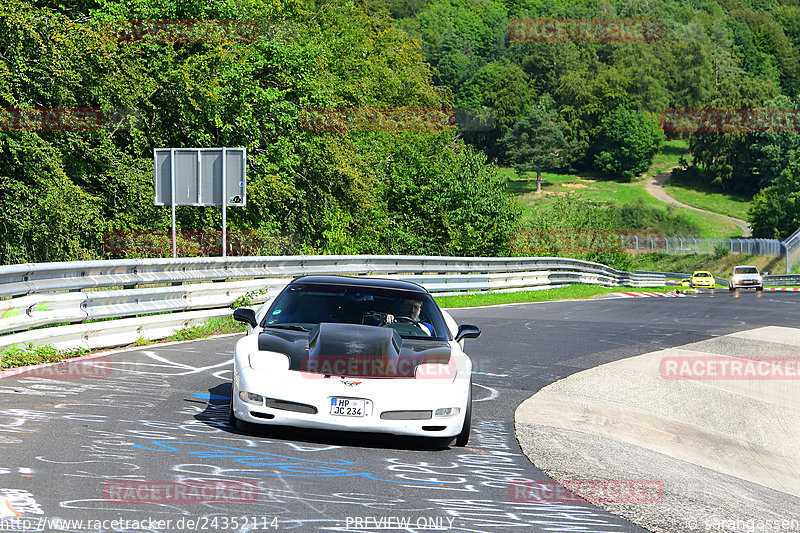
409,312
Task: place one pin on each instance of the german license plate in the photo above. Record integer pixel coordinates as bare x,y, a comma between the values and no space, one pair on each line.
347,407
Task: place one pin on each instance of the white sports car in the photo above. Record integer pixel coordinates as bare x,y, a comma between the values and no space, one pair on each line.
746,277
354,354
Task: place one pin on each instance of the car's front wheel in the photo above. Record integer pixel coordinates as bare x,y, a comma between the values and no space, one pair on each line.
234,422
760,288
463,437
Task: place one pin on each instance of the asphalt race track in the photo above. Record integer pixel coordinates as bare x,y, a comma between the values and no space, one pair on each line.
104,453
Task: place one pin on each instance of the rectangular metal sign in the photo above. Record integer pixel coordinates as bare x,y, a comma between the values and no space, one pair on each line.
202,176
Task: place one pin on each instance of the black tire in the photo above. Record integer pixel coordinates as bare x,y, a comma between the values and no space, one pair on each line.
759,289
234,422
463,437
732,289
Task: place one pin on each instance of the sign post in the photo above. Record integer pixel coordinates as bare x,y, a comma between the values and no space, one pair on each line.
201,177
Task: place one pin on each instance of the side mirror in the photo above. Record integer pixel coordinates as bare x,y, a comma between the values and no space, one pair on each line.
466,331
243,314
765,273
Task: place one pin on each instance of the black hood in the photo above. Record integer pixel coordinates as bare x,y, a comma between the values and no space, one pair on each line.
353,350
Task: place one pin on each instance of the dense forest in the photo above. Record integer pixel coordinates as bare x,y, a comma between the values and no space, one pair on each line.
607,98
250,82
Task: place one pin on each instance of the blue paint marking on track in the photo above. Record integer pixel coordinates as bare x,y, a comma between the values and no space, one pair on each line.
284,465
207,396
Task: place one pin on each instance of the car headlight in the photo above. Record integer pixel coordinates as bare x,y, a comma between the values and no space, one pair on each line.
446,411
249,397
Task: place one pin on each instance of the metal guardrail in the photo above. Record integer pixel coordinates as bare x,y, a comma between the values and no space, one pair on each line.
782,280
49,294
32,278
682,275
776,280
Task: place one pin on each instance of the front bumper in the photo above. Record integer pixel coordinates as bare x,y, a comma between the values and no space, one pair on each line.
387,394
747,284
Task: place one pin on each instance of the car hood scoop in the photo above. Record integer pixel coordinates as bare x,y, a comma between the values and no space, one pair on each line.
353,340
354,350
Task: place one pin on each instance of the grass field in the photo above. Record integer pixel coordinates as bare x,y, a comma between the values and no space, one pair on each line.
719,266
704,196
571,292
669,157
523,189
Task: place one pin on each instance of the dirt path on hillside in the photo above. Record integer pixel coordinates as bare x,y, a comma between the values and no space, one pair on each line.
655,186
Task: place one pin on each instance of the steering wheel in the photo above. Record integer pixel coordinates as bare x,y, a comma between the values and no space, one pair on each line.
408,319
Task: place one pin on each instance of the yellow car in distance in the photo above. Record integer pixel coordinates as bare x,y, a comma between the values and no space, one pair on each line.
686,282
702,278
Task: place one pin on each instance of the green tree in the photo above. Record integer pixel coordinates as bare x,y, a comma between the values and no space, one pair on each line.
775,211
745,161
788,16
627,144
442,199
586,99
505,90
537,142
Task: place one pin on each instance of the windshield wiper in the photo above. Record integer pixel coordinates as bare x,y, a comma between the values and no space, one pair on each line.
292,327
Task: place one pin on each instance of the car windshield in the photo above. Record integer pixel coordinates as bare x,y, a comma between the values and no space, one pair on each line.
702,275
304,306
745,270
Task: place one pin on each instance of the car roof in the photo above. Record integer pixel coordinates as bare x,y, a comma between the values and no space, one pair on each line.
348,281
701,273
744,266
